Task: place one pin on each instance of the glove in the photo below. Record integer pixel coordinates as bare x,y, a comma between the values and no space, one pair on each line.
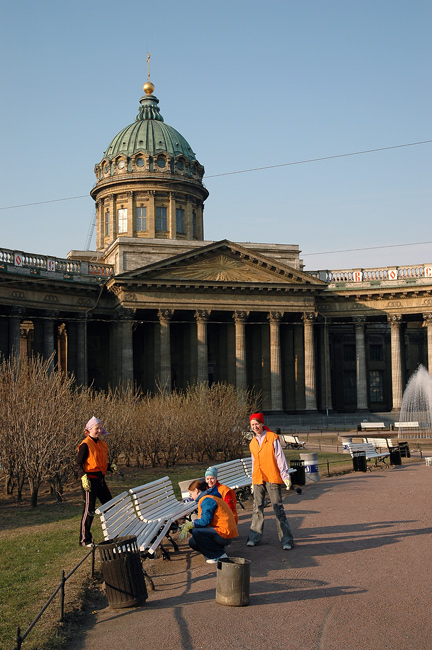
185,529
85,482
288,483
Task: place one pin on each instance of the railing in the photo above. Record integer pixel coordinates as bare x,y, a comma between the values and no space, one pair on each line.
378,275
64,269
20,638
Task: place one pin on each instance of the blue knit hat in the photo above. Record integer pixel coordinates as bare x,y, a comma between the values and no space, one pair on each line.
211,471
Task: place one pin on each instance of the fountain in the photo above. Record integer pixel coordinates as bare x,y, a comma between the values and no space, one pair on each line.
417,401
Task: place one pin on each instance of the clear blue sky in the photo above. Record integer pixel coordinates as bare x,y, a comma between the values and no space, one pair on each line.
249,84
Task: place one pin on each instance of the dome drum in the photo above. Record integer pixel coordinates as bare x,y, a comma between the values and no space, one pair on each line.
149,182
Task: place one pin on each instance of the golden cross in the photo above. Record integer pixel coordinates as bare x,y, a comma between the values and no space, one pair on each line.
148,66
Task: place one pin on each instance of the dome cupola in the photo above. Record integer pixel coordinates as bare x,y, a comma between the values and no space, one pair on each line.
149,182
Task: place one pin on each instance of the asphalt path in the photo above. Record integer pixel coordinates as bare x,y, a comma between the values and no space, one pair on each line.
359,577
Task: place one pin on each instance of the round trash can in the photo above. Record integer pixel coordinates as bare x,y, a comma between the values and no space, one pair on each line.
359,461
298,477
122,572
395,456
311,466
232,581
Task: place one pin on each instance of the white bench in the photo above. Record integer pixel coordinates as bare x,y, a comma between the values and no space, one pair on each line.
292,441
370,452
119,518
406,425
371,426
156,500
381,443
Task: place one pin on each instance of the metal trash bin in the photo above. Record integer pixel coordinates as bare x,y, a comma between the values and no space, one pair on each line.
359,461
311,466
298,477
395,456
232,581
404,450
122,572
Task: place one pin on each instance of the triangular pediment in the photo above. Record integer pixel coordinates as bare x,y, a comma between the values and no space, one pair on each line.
221,262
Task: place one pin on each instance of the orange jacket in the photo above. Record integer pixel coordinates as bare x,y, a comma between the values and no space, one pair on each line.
223,519
265,469
229,496
97,460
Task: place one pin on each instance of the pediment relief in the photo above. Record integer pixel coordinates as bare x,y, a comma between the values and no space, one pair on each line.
220,268
221,262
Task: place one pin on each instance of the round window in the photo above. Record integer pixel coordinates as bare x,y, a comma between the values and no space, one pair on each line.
161,162
106,169
121,164
180,164
140,162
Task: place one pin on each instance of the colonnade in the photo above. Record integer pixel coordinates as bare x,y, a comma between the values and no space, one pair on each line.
310,357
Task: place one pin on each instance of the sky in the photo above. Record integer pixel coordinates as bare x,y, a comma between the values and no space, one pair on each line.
287,88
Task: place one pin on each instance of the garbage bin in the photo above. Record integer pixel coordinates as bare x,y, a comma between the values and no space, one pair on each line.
232,581
404,450
122,572
298,477
395,456
359,461
311,466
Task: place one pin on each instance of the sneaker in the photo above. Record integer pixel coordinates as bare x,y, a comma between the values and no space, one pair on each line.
89,545
214,560
287,547
249,543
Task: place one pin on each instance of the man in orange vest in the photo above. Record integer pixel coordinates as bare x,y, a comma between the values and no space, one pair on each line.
91,465
215,525
269,473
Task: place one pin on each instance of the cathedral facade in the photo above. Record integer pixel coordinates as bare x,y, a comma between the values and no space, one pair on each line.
158,305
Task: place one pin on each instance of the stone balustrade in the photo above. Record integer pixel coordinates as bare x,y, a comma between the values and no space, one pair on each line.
33,264
384,275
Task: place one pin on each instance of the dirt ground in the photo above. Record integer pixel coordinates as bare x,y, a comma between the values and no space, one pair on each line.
357,578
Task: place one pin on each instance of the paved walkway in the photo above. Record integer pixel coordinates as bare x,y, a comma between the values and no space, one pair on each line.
359,578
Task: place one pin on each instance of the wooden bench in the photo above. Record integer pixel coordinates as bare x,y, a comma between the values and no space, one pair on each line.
370,451
118,518
292,441
371,426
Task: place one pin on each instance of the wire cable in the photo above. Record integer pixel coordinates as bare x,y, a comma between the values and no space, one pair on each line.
246,171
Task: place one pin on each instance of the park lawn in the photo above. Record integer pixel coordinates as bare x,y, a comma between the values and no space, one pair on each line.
37,544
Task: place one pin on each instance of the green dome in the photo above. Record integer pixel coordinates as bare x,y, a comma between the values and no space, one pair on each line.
149,134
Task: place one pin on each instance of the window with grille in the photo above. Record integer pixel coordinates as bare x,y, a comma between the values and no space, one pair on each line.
122,220
161,219
140,219
180,221
376,386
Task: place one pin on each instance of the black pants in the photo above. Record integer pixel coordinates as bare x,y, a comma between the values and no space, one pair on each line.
99,490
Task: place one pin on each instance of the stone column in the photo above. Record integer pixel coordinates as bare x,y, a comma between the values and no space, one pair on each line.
326,374
202,317
126,343
165,316
15,332
172,225
240,318
49,336
309,353
396,361
428,324
362,402
81,351
151,214
274,318
299,368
